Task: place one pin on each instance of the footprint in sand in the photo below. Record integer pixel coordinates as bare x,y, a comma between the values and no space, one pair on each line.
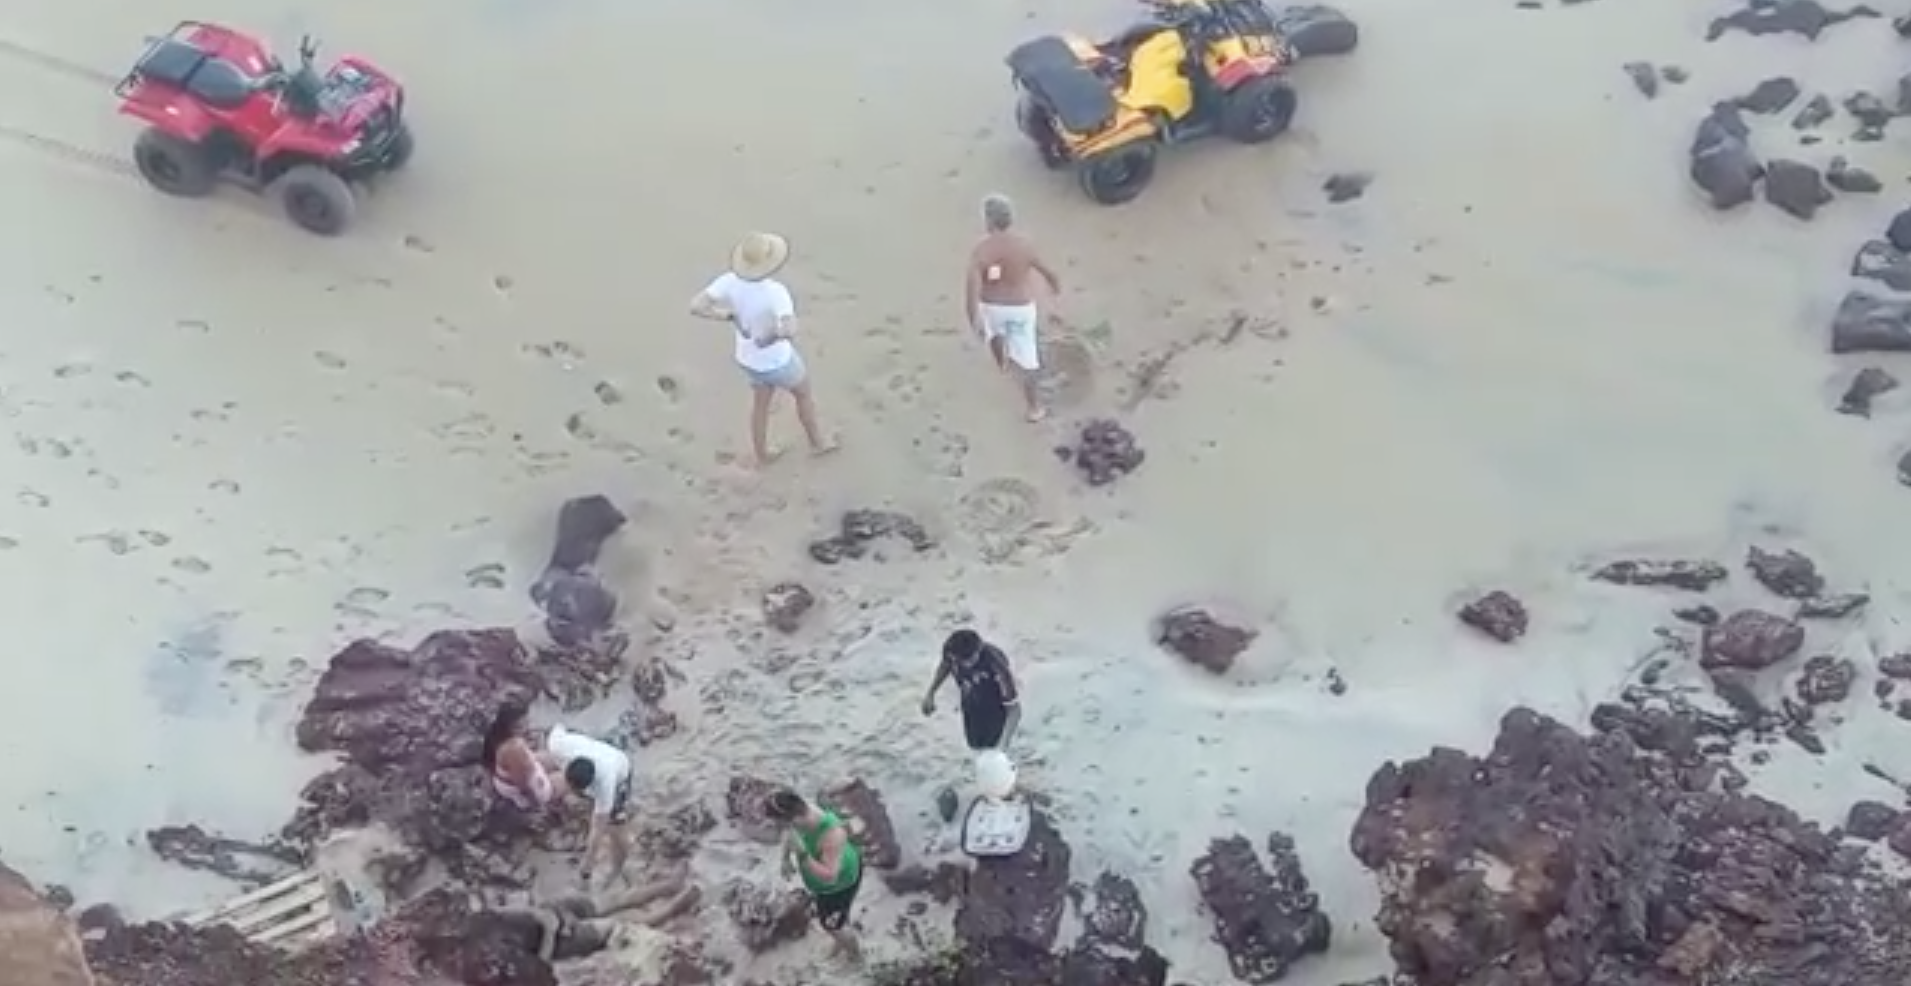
1067,378
360,602
131,379
607,393
470,428
668,386
489,575
329,360
117,542
192,565
943,451
557,349
67,371
223,486
33,498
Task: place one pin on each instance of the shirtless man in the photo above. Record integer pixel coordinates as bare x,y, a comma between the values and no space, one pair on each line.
999,296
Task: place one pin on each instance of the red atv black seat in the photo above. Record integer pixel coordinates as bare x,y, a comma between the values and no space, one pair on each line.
217,82
1049,69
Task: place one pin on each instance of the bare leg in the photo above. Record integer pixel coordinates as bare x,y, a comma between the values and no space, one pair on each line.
683,903
648,892
846,944
806,413
760,398
1001,355
1032,396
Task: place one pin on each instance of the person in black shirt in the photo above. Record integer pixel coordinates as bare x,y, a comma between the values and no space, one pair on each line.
991,703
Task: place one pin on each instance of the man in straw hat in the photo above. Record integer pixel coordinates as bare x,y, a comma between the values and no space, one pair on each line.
999,296
762,313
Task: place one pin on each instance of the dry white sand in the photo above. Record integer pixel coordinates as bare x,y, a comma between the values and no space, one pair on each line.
235,446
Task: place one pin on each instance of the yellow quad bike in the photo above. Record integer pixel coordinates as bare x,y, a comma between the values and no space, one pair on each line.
1192,69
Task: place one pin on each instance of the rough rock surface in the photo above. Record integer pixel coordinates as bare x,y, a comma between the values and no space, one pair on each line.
1199,638
1826,679
1265,921
1751,639
1690,575
864,813
1644,76
785,604
235,859
1866,323
1866,386
1722,162
1787,573
1850,179
1895,666
410,725
1815,112
1833,606
1795,187
766,917
1103,452
38,945
1112,911
1872,820
1559,859
747,806
1769,96
859,530
1496,614
1019,898
1806,18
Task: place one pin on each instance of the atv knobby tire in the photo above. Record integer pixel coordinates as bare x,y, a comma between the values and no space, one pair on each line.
1116,176
1259,110
175,166
1315,30
316,199
402,147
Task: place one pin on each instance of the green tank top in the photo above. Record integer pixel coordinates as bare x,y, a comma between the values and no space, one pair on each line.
852,862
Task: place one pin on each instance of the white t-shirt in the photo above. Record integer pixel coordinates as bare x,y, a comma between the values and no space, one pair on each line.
613,765
760,306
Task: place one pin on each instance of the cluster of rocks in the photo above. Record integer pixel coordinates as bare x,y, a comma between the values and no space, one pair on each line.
1103,452
1730,173
1619,857
859,531
1806,18
1265,920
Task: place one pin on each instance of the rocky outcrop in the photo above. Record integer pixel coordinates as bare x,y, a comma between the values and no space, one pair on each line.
765,917
1264,920
859,531
1104,451
410,726
1796,188
1559,858
1691,575
38,945
1806,18
785,604
1866,386
1019,897
1751,639
1498,615
864,813
235,859
1202,639
1865,323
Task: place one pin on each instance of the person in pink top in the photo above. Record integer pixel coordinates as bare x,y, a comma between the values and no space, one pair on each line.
519,773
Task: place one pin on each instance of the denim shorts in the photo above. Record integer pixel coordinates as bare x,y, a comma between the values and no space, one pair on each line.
786,377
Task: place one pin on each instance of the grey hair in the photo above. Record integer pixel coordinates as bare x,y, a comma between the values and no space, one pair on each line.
998,212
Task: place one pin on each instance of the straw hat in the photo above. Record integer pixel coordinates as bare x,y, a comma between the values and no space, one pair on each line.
758,255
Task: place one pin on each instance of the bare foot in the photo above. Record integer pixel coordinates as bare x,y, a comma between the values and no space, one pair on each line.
1036,414
764,460
826,447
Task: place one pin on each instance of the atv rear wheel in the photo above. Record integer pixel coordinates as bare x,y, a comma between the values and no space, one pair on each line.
1259,110
175,166
316,199
1117,176
401,147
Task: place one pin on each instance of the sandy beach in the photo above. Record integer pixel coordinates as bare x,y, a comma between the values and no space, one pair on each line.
1528,348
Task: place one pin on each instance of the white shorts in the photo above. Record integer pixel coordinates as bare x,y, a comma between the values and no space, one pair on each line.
1015,326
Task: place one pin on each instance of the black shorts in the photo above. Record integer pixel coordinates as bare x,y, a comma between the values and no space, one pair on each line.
983,720
832,909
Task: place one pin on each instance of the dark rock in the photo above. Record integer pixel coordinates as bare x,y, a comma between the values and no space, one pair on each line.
1722,162
1018,898
1345,186
1896,666
1769,96
1105,451
1833,607
943,884
1904,468
1609,864
863,812
1903,105
1200,639
1795,188
1868,109
1644,78
644,724
235,859
1265,921
1884,263
948,802
1872,820
1868,134
1786,573
584,524
1814,113
1826,679
1739,690
747,805
1866,386
1496,614
1674,74
1868,324
1316,30
766,917
1701,615
1898,232
785,604
1751,639
1846,177
859,530
1687,574
1902,25
1112,912
677,834
1806,18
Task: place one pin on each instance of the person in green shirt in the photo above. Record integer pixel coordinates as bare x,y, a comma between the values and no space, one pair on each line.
818,848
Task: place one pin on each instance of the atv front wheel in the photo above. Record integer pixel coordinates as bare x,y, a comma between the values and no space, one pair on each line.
316,199
1259,110
175,166
1117,176
402,145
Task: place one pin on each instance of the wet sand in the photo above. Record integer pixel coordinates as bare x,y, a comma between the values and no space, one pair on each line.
236,446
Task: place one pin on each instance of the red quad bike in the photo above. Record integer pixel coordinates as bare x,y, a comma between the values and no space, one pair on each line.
218,104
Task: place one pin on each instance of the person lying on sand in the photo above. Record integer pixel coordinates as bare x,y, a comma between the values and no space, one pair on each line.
762,314
574,927
999,297
818,849
601,773
991,700
519,773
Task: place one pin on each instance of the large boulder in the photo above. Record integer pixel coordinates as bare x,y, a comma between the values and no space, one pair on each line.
38,946
1866,323
1557,858
1722,162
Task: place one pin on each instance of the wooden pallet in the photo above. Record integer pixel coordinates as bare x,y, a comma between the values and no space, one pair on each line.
293,913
